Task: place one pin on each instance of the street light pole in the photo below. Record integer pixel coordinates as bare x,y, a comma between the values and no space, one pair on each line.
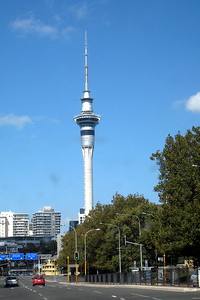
139,229
156,253
75,237
75,252
85,252
147,214
120,264
141,264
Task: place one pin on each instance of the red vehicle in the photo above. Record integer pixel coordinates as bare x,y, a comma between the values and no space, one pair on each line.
38,280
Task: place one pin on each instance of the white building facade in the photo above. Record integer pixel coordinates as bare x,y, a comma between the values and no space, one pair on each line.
46,222
21,224
6,224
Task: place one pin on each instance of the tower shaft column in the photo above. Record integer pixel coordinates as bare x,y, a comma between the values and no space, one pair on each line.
88,179
87,121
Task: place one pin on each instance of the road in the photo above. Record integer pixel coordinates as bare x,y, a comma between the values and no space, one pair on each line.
61,290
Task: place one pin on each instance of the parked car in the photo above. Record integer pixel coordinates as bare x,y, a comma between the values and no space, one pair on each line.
38,280
11,281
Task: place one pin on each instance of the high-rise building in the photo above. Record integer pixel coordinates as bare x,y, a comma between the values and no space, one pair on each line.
3,226
21,224
6,224
73,224
14,224
87,121
46,222
81,216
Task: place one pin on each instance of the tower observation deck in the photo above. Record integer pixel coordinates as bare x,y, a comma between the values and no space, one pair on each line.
87,121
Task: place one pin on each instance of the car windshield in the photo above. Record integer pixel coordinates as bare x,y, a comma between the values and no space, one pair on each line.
39,277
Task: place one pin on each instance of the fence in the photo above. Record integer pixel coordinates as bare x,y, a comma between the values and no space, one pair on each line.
173,276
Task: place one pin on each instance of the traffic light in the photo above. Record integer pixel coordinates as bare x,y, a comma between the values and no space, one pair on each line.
76,255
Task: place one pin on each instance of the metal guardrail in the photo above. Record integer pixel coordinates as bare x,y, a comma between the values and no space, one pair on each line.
173,276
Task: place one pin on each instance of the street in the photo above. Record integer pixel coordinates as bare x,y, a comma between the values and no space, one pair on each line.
60,290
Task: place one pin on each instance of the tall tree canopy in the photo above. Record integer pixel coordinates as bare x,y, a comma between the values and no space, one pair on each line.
173,228
102,246
179,191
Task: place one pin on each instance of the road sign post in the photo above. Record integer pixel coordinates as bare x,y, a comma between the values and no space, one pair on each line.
16,256
31,256
3,257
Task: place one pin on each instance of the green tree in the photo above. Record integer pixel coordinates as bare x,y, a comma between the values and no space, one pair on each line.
102,245
179,191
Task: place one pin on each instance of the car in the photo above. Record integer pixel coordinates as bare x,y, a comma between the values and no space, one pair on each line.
11,281
38,280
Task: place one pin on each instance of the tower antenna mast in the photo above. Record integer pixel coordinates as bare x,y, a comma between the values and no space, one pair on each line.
86,63
87,120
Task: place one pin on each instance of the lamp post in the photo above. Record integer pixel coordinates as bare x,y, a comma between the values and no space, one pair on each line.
139,229
85,252
147,214
120,264
39,263
76,252
156,253
75,237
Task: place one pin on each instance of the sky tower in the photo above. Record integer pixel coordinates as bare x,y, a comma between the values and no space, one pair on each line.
87,121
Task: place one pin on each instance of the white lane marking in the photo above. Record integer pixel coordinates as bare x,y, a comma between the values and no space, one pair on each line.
52,285
139,295
97,292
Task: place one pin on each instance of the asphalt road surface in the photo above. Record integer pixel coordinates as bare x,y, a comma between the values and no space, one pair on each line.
60,290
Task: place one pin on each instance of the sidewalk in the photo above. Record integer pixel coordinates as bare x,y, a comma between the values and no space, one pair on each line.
63,280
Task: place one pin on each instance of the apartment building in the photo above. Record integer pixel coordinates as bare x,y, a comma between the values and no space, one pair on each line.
21,224
6,224
46,222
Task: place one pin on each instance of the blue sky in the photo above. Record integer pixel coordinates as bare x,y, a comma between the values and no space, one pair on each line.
144,71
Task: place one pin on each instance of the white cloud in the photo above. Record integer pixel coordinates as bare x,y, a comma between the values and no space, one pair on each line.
31,25
15,121
57,18
66,31
79,11
193,103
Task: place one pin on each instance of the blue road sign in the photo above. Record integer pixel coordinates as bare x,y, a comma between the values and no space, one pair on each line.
16,256
31,256
2,257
